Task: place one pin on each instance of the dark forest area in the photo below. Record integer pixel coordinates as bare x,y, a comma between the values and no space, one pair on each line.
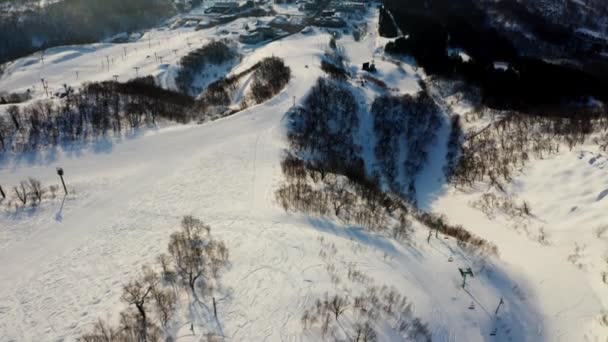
32,29
527,84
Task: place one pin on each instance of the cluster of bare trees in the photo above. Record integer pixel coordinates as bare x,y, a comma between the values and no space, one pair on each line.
197,261
464,238
332,179
325,125
360,308
324,312
193,263
104,108
602,142
366,311
489,203
192,64
271,76
8,98
311,188
97,110
404,126
336,56
30,191
334,71
492,154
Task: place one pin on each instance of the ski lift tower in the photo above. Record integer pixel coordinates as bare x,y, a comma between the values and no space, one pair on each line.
464,272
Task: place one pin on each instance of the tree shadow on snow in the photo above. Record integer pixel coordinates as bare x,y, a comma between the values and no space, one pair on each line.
430,181
353,233
518,317
72,149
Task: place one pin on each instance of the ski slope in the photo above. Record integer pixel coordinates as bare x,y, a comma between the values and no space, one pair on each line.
63,265
157,53
562,249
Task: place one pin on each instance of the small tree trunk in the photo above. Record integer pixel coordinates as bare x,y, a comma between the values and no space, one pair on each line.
144,323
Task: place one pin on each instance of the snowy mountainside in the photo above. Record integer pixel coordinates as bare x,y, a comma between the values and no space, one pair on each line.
64,262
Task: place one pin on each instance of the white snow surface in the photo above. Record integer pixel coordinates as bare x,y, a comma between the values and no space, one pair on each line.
63,264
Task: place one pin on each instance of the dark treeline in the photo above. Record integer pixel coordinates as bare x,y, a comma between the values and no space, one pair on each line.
75,22
538,25
356,199
326,175
549,28
96,110
325,125
493,154
333,62
434,27
325,129
10,98
387,27
270,77
312,188
334,71
103,108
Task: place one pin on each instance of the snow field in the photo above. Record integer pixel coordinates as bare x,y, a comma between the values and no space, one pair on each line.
63,265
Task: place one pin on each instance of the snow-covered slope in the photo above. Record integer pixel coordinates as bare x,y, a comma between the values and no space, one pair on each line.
562,249
62,265
157,53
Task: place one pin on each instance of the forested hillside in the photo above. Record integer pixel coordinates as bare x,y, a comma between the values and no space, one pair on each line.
31,28
507,74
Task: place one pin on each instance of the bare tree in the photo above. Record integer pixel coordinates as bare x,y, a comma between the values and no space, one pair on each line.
36,189
305,319
138,294
21,192
365,333
337,305
392,297
164,305
167,273
216,254
4,132
340,197
193,225
325,323
15,114
194,257
403,228
187,249
102,332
